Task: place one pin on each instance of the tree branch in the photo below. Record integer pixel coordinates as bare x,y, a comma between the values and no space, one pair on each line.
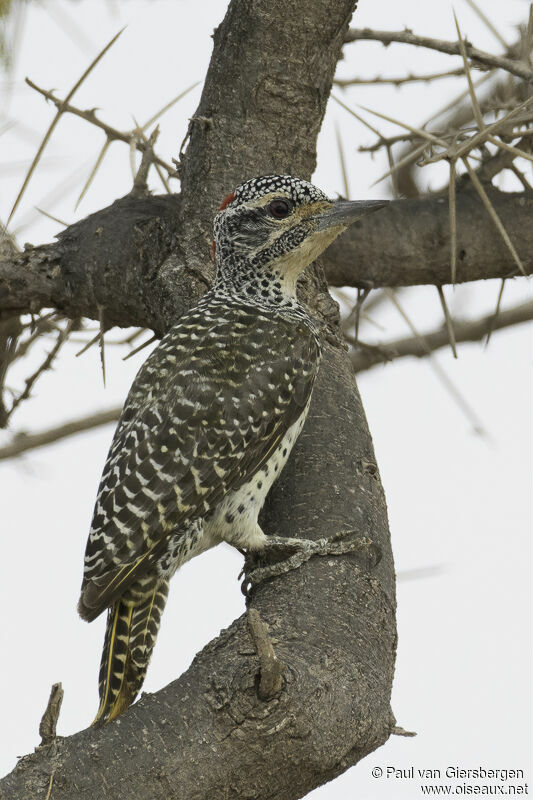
120,257
209,735
408,243
479,58
367,356
399,80
22,442
89,115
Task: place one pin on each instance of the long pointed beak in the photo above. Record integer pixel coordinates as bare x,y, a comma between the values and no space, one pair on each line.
344,212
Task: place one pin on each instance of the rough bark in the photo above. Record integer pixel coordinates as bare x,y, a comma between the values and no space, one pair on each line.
208,734
408,244
129,257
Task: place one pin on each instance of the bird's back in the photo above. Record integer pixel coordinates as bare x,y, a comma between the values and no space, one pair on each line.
205,411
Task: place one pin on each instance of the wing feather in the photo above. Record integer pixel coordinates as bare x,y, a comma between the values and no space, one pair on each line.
196,424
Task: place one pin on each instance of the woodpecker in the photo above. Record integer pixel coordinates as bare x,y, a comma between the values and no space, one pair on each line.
209,421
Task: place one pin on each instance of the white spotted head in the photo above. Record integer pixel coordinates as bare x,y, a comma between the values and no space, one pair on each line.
270,228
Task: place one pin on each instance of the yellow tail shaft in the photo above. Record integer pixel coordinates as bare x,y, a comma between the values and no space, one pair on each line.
132,627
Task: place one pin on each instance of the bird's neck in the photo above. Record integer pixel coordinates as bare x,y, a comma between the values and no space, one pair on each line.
256,284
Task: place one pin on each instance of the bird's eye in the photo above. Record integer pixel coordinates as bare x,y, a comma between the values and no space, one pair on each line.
280,208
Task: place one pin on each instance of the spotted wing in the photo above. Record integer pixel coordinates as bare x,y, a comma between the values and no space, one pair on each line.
197,423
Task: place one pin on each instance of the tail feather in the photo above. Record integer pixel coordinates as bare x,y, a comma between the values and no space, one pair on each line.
132,627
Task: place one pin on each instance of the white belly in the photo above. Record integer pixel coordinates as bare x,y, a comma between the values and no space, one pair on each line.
235,518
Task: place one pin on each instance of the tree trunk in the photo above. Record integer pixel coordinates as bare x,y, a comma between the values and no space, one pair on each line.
331,621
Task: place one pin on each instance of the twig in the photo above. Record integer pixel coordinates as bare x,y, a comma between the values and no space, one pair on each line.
60,110
140,182
465,331
454,153
479,138
38,328
378,81
22,442
48,725
271,670
90,116
47,363
480,58
493,165
156,166
428,137
387,141
8,346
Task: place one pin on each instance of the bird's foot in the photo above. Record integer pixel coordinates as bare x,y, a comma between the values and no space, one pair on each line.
302,550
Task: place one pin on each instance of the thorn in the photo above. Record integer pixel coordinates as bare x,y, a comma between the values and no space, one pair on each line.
362,294
441,374
89,344
342,162
496,314
475,105
448,320
453,222
56,119
141,347
93,172
51,216
495,218
166,107
101,340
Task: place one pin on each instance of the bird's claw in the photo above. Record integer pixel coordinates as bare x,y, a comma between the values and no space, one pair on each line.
304,549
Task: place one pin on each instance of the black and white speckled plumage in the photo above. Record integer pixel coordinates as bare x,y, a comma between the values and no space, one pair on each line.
207,426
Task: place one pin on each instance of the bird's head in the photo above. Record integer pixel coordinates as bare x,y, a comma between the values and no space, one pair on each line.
272,227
